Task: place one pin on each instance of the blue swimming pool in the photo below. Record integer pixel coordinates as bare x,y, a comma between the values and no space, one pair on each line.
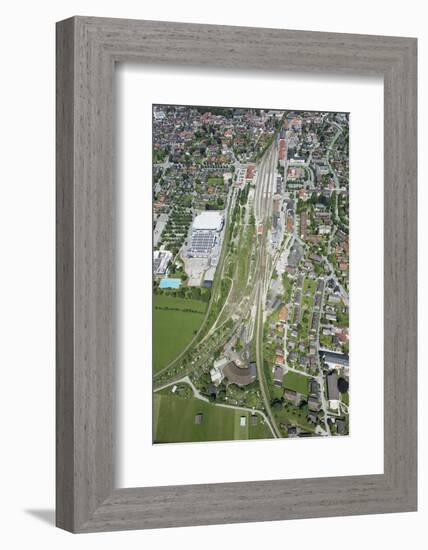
170,283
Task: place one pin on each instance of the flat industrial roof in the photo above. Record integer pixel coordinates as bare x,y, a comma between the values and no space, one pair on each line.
208,220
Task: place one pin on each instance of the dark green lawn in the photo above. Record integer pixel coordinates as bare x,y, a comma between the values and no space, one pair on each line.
297,382
295,416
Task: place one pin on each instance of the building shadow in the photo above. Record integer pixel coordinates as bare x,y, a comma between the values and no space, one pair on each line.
43,514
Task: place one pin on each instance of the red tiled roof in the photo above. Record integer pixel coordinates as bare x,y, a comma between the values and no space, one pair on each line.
283,314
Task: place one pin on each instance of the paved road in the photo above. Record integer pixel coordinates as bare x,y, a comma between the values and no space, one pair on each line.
333,141
344,295
321,378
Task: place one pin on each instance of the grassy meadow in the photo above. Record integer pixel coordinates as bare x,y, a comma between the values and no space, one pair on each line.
174,421
297,382
175,321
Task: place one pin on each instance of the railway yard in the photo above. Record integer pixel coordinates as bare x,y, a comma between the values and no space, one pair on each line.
251,290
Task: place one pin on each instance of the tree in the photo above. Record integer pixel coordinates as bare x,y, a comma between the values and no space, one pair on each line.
342,385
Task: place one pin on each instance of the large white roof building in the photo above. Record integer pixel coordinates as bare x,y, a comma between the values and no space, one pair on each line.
210,220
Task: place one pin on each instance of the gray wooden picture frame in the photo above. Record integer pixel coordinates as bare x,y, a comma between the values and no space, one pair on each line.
87,50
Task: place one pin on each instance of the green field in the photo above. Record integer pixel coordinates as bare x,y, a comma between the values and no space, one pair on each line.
173,326
215,181
174,421
296,382
344,397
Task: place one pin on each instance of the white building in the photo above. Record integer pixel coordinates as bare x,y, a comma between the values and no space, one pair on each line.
324,229
161,259
210,220
209,277
216,376
205,235
220,363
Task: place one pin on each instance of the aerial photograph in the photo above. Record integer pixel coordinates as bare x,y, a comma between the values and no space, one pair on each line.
250,273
